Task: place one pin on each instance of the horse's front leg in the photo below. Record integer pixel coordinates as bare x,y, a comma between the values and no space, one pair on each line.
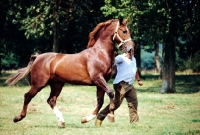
102,84
100,100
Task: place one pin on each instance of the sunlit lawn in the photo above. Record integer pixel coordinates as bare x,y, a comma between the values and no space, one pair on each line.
160,114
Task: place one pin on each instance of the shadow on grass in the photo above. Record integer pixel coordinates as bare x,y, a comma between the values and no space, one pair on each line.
188,83
184,83
67,125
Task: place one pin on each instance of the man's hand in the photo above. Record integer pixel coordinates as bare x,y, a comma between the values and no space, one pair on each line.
140,82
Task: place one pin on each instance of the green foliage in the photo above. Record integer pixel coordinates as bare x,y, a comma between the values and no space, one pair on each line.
10,61
2,47
35,18
147,60
196,62
189,63
180,64
146,19
27,26
151,21
38,18
193,63
117,8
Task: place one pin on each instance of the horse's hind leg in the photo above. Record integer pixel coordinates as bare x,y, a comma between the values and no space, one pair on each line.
56,88
27,98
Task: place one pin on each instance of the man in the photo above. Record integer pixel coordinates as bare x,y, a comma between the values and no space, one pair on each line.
123,86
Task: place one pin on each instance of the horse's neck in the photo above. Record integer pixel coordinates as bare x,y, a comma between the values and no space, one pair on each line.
105,47
104,41
105,44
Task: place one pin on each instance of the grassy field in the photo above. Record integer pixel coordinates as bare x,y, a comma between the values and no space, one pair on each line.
160,114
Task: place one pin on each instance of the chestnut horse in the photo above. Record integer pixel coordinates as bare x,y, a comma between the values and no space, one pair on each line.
91,66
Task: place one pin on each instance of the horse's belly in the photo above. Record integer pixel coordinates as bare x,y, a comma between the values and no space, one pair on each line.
70,69
73,77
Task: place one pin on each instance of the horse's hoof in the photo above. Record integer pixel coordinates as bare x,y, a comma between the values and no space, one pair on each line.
87,118
61,124
84,120
111,117
15,119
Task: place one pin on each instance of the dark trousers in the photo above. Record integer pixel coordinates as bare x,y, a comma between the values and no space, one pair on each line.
123,90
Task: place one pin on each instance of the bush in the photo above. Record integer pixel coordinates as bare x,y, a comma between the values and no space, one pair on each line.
10,61
180,64
195,62
190,63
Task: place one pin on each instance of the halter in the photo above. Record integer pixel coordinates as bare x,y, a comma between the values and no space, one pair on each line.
116,34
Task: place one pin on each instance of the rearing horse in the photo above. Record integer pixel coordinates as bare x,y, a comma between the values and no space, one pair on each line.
91,66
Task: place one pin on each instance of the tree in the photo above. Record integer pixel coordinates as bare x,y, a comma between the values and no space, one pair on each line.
38,19
85,16
13,44
58,20
189,40
183,17
156,58
28,26
155,22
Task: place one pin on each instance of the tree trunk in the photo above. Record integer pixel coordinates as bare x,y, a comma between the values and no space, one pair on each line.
168,68
138,59
55,27
156,58
0,64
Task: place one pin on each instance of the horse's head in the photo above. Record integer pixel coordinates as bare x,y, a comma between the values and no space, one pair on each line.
122,36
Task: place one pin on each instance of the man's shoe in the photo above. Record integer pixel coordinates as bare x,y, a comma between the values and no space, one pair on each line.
111,117
98,123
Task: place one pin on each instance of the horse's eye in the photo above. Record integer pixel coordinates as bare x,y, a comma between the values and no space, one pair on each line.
124,31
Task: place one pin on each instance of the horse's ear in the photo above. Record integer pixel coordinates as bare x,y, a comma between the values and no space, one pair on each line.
125,22
120,20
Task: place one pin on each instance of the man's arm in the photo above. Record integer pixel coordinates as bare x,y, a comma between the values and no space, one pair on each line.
138,79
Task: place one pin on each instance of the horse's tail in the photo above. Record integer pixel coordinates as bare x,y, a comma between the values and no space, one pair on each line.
21,72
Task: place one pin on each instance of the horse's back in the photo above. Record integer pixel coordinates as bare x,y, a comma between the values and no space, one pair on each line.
71,68
80,68
68,68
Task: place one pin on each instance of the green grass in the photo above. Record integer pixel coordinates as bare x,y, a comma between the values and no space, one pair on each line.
160,114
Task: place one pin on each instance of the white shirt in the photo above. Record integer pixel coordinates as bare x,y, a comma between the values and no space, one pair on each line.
126,69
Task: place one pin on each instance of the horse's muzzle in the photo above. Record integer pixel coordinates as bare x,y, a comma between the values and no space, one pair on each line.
128,47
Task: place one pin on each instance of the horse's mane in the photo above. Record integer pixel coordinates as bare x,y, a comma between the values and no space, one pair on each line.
94,33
